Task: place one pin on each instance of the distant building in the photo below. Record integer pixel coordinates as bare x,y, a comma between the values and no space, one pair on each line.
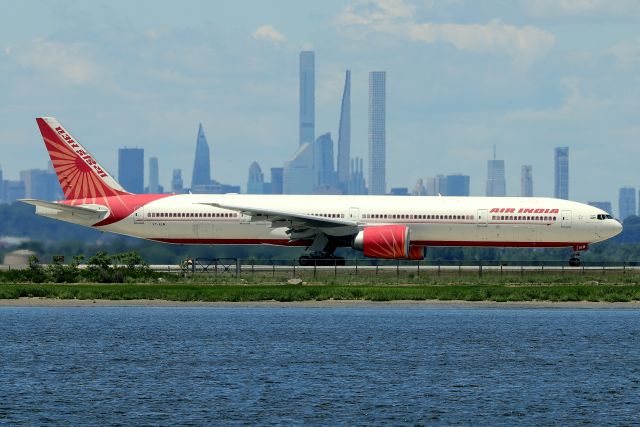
627,205
202,161
344,136
154,176
1,186
399,191
561,169
457,185
323,162
177,185
255,183
605,206
377,132
526,181
13,190
307,96
437,185
216,188
496,183
131,169
40,184
299,171
357,183
276,180
419,189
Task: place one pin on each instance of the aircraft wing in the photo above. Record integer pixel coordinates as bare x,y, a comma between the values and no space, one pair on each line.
52,208
296,222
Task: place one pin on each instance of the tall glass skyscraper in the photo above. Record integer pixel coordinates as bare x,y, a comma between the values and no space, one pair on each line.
627,202
307,97
154,186
344,135
526,181
496,184
131,169
561,168
377,132
202,162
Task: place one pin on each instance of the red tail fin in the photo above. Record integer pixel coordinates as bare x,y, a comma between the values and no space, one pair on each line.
80,175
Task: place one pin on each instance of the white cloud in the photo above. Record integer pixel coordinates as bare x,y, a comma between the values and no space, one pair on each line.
576,107
580,7
395,17
66,61
268,33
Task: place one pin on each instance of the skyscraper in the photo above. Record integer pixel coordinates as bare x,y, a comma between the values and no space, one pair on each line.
177,185
419,189
377,132
496,185
323,161
307,97
344,135
526,181
154,186
458,185
131,169
357,183
561,168
276,180
202,162
255,183
40,184
1,186
299,172
627,203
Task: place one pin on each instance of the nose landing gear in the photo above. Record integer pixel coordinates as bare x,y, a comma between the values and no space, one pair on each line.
574,261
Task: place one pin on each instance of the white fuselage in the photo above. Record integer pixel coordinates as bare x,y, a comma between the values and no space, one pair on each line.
435,221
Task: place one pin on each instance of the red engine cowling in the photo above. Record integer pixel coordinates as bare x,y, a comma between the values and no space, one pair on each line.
384,241
416,253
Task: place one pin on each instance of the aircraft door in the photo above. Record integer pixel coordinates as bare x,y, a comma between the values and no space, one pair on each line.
566,219
138,215
482,217
354,214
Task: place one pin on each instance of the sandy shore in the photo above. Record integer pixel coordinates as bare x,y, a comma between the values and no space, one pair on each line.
50,302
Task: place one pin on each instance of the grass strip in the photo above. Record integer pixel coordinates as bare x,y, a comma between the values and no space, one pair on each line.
285,293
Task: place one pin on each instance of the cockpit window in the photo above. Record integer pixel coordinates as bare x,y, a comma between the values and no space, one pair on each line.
604,216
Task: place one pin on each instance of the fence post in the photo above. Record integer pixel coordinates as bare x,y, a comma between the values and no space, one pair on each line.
418,274
624,267
315,267
438,268
273,267
480,270
356,266
294,268
335,267
238,264
397,269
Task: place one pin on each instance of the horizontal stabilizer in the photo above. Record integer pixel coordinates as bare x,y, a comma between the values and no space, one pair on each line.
52,208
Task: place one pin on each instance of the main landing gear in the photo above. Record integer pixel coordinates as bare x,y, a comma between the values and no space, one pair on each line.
321,253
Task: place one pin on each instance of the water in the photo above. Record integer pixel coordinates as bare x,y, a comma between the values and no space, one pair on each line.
375,366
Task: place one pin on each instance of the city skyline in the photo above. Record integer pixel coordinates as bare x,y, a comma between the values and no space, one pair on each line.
570,84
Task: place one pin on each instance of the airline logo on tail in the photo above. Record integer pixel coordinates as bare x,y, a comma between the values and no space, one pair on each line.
80,175
80,152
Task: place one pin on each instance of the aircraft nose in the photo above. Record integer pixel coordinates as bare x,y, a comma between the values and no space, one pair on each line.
615,227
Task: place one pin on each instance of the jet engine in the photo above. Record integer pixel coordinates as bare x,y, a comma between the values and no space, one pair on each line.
387,242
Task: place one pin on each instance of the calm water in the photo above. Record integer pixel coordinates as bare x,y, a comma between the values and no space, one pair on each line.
381,365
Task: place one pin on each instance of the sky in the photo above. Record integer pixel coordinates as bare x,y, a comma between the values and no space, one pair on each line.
462,76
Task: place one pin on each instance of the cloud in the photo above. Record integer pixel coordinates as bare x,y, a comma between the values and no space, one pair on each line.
580,7
69,62
268,33
395,17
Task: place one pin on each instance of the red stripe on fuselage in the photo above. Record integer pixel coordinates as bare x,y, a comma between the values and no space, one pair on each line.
277,242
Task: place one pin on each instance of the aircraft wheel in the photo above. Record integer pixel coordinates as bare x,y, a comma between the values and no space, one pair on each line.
575,262
304,260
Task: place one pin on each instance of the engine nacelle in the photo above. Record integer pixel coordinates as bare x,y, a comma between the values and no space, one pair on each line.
384,241
416,253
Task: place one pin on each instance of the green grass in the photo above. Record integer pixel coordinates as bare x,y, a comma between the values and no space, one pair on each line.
248,293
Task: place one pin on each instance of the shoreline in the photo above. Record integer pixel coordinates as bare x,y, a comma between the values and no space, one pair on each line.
56,302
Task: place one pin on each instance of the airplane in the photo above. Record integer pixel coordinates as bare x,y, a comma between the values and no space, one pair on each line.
384,227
